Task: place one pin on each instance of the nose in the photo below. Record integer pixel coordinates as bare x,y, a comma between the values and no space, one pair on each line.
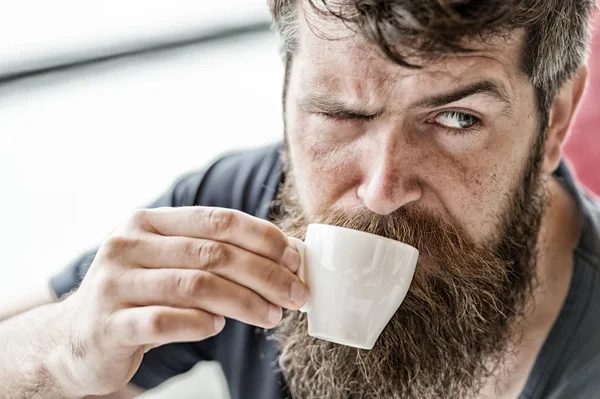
389,183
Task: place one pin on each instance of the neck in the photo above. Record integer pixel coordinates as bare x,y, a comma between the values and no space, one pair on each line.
558,238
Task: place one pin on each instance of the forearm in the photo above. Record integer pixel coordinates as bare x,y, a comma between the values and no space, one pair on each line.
32,350
39,294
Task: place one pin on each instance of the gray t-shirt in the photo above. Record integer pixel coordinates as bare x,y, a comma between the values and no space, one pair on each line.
568,365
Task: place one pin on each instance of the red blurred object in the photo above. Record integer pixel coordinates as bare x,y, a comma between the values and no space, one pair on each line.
582,149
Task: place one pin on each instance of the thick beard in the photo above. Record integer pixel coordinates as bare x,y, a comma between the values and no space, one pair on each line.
459,319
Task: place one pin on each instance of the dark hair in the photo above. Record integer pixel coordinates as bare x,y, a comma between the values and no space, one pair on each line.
555,44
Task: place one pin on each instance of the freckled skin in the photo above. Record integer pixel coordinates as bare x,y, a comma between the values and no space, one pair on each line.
399,156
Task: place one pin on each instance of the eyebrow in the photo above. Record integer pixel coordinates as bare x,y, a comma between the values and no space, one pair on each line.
486,87
330,104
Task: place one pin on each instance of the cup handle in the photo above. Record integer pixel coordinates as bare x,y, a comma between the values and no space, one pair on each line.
301,247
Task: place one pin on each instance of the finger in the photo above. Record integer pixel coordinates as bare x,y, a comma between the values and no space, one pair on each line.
159,325
269,279
225,225
183,288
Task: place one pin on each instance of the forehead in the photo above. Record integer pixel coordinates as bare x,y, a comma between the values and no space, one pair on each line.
331,56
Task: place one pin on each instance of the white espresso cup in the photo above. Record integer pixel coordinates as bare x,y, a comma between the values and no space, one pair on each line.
356,282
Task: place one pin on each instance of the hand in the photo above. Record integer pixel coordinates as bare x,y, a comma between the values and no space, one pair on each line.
172,275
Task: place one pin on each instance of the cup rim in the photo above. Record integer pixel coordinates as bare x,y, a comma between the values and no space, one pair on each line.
354,231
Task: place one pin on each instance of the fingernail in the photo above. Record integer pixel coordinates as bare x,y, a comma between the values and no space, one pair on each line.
299,293
291,259
274,314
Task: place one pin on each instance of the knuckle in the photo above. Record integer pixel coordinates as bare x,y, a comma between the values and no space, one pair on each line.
192,285
106,285
272,234
139,217
272,240
210,254
220,220
114,329
198,284
247,302
131,331
117,245
157,323
270,275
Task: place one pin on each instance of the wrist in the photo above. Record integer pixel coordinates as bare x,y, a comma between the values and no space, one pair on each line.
60,360
59,372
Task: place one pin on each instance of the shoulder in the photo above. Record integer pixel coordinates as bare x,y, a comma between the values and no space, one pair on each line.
569,362
244,180
570,357
589,246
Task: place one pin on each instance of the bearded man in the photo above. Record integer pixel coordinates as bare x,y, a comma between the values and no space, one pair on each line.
435,123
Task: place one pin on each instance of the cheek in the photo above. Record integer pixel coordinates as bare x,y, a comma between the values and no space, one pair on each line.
326,170
475,190
481,201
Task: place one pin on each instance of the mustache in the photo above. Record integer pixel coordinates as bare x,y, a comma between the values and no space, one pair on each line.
445,249
412,224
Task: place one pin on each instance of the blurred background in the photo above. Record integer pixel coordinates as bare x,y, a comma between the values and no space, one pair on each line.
103,105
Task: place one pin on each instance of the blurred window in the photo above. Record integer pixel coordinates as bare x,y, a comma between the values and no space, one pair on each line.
40,34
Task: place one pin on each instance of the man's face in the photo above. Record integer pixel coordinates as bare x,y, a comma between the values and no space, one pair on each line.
445,158
452,137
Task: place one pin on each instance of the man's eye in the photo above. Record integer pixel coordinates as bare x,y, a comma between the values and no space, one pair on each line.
457,120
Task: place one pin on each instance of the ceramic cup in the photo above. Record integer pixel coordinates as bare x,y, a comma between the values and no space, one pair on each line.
356,282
